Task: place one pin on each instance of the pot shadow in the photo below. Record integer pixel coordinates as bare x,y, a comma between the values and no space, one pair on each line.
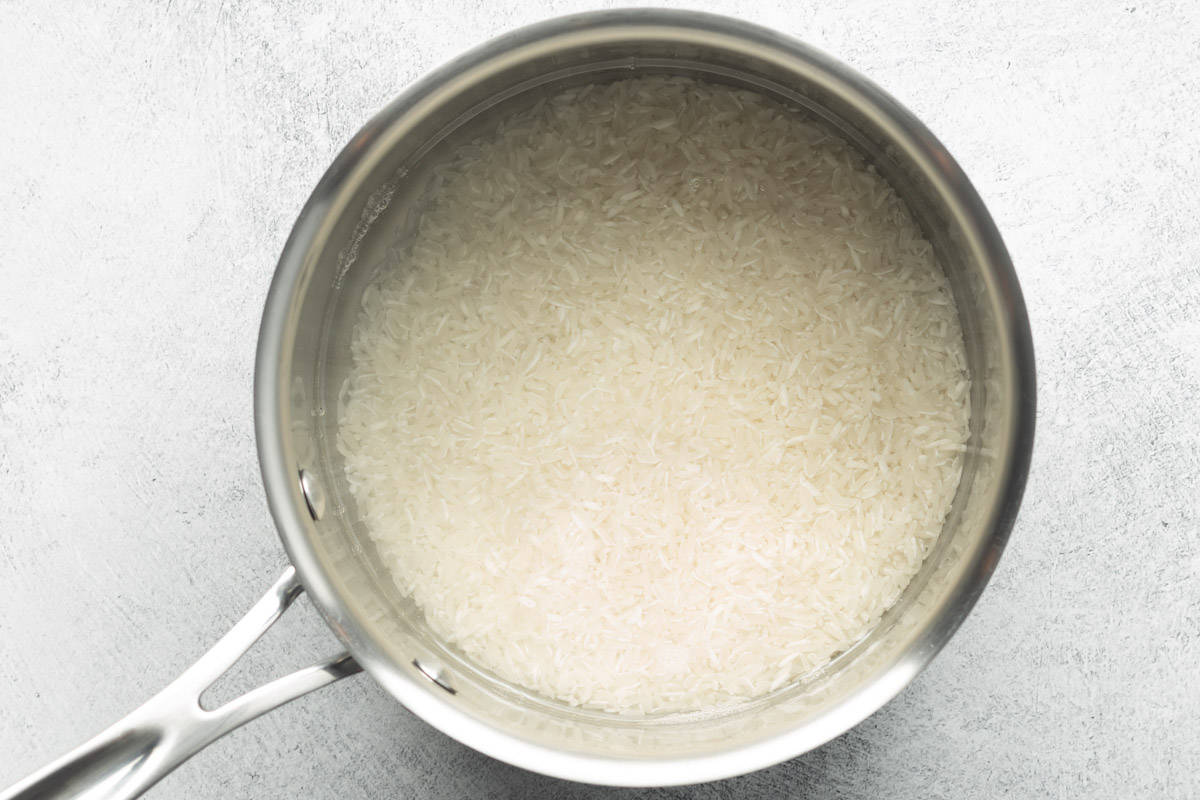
847,767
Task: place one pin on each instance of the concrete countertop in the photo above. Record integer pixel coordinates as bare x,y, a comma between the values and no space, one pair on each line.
153,157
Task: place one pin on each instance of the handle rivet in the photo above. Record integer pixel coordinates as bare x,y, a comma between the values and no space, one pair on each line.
314,495
436,673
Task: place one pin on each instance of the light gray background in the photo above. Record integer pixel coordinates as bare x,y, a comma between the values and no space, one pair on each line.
152,159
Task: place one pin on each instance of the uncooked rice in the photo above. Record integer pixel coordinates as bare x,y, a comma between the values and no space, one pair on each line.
664,403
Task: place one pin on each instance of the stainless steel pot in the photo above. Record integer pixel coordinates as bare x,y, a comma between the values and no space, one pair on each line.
369,195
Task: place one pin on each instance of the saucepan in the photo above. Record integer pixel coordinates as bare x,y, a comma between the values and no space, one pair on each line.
369,199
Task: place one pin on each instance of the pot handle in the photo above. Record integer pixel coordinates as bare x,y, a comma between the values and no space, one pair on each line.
133,754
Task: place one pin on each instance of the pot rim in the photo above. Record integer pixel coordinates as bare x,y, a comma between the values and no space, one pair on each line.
332,196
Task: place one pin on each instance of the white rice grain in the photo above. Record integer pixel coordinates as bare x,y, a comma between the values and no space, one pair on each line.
659,409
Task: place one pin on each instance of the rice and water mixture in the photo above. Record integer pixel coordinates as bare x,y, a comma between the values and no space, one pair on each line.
664,403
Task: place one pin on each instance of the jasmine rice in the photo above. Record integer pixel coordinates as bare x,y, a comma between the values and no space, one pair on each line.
663,404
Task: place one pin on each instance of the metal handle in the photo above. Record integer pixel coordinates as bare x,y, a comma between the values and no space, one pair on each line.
133,754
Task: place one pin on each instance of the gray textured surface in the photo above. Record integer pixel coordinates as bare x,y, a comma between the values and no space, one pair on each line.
152,159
